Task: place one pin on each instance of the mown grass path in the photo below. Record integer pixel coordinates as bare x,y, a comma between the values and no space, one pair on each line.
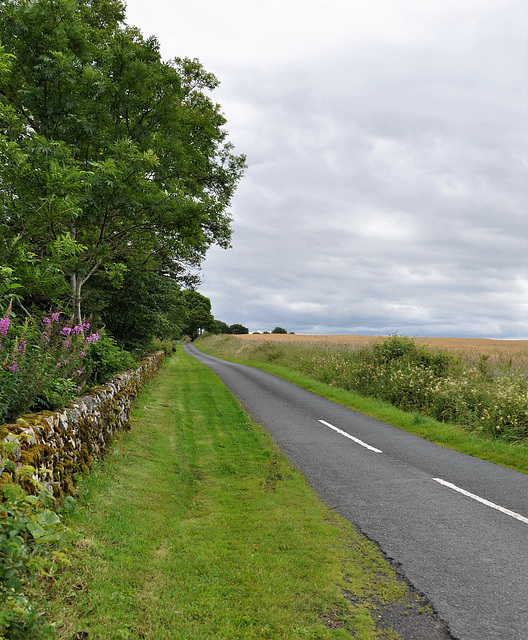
197,527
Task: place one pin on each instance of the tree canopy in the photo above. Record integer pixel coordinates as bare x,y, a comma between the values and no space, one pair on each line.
279,330
111,159
238,329
195,314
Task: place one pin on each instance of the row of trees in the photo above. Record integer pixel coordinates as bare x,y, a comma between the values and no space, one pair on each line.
116,174
276,330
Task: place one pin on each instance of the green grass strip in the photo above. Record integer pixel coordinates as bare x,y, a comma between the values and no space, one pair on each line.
196,526
507,454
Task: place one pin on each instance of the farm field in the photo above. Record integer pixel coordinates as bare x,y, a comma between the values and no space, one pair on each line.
480,346
471,348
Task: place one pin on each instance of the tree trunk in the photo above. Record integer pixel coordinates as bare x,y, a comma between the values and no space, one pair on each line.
76,283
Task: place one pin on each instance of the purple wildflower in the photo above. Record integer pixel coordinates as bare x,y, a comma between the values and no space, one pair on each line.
85,326
66,344
66,331
55,316
22,346
93,337
46,320
83,353
77,329
13,367
4,326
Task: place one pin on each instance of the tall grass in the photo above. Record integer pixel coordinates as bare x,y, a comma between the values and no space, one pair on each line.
485,395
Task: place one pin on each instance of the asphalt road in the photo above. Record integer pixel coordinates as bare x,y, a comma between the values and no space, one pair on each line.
469,557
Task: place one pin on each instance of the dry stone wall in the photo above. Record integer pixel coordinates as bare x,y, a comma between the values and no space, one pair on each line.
59,444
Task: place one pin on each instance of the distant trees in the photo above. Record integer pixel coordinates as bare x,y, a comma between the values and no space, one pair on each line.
234,329
194,314
221,327
238,329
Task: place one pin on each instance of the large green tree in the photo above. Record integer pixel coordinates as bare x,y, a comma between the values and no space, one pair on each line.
110,156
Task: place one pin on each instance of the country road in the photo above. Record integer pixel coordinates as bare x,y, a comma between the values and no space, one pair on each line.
457,526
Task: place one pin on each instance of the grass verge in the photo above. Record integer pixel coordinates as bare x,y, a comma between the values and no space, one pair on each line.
196,526
513,456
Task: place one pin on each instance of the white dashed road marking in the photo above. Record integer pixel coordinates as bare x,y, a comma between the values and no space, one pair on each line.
347,435
482,500
512,514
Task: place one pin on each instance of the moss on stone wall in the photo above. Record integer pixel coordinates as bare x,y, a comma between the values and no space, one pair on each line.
59,444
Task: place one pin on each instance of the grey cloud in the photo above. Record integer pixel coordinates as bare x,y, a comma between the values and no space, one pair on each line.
387,187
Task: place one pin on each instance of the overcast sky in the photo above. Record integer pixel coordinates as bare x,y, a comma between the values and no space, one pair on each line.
387,149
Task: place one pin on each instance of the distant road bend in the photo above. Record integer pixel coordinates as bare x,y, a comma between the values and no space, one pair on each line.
458,526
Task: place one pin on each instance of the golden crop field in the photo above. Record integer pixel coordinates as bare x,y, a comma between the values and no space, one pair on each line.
500,349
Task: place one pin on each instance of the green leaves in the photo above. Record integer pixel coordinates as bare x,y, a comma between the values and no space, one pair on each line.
28,529
8,283
65,246
195,313
106,144
43,528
